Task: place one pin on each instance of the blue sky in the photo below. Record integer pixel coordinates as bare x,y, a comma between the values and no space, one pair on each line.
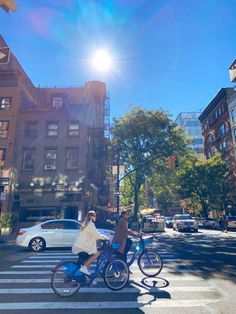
170,54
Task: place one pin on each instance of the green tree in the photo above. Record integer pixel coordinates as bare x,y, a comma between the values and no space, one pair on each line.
141,137
205,181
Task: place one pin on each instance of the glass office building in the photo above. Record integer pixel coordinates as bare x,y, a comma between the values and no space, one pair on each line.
189,122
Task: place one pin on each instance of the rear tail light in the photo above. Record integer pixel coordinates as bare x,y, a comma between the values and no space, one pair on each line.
21,232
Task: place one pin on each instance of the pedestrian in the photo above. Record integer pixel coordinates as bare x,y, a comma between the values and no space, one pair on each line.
86,241
121,239
223,224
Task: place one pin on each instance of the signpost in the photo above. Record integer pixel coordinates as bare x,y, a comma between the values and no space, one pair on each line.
4,55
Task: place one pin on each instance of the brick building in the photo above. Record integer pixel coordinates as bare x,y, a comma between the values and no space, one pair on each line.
217,130
52,147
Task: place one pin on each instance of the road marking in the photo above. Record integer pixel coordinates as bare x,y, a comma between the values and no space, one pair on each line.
107,290
40,261
47,280
106,305
135,270
33,266
30,272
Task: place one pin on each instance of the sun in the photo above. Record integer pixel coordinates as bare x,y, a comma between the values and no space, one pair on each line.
102,61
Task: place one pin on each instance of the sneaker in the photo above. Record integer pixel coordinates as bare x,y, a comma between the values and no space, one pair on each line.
84,270
94,282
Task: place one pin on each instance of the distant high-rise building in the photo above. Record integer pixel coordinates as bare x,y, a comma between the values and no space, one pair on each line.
189,122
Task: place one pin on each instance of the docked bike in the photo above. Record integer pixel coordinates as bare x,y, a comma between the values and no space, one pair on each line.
149,262
67,279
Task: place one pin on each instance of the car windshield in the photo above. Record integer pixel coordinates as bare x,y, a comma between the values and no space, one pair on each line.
169,218
184,217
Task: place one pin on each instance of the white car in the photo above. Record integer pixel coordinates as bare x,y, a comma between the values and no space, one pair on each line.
185,222
52,234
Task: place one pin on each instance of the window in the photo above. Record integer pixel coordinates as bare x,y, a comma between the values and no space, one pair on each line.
210,139
31,129
73,129
235,134
50,159
2,157
28,159
71,225
57,102
71,158
52,225
5,103
222,130
233,115
223,146
52,128
4,127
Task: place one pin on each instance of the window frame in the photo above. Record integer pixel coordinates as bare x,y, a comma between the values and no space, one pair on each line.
3,153
57,102
4,130
48,130
50,163
3,106
71,130
28,129
76,149
25,150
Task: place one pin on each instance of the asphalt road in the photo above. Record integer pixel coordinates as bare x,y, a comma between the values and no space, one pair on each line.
199,276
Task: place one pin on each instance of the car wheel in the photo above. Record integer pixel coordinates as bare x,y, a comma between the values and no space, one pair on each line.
37,244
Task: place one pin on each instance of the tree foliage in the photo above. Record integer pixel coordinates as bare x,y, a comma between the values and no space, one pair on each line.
142,137
205,181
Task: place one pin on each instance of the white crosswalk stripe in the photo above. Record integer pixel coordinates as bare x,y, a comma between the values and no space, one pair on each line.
32,276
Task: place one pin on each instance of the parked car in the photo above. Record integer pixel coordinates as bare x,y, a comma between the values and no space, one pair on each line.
152,224
208,223
231,222
169,222
53,233
185,222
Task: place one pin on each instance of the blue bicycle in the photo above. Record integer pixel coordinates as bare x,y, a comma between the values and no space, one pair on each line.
66,278
149,262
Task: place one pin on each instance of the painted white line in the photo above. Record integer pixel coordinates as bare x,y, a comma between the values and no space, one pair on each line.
106,305
29,272
33,266
107,290
39,261
47,280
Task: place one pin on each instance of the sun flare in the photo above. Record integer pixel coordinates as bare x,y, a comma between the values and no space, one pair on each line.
102,61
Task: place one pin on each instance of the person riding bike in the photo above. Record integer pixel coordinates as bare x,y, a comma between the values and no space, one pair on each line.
86,241
121,236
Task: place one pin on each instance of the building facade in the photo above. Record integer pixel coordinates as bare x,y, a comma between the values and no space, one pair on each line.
217,133
189,122
52,147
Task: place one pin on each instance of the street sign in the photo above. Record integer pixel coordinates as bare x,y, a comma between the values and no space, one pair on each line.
4,55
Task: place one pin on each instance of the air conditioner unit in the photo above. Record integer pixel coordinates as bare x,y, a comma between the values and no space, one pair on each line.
49,167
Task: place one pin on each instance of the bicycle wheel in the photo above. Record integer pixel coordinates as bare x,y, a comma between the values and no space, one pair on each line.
102,261
150,263
63,281
116,274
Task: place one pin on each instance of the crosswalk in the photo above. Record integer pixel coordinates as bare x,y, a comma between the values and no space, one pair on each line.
26,286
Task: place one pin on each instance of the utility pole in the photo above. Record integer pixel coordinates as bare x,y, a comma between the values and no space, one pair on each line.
118,183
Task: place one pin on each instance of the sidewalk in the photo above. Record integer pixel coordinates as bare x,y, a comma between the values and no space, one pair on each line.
11,239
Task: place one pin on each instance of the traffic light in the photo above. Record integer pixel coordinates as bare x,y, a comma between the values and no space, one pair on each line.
168,162
8,5
174,162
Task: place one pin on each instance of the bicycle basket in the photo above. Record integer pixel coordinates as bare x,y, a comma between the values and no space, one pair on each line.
147,239
115,246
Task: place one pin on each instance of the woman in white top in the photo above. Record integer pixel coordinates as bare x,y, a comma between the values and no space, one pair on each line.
86,240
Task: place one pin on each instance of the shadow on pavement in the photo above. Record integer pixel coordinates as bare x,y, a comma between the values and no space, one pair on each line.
211,256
